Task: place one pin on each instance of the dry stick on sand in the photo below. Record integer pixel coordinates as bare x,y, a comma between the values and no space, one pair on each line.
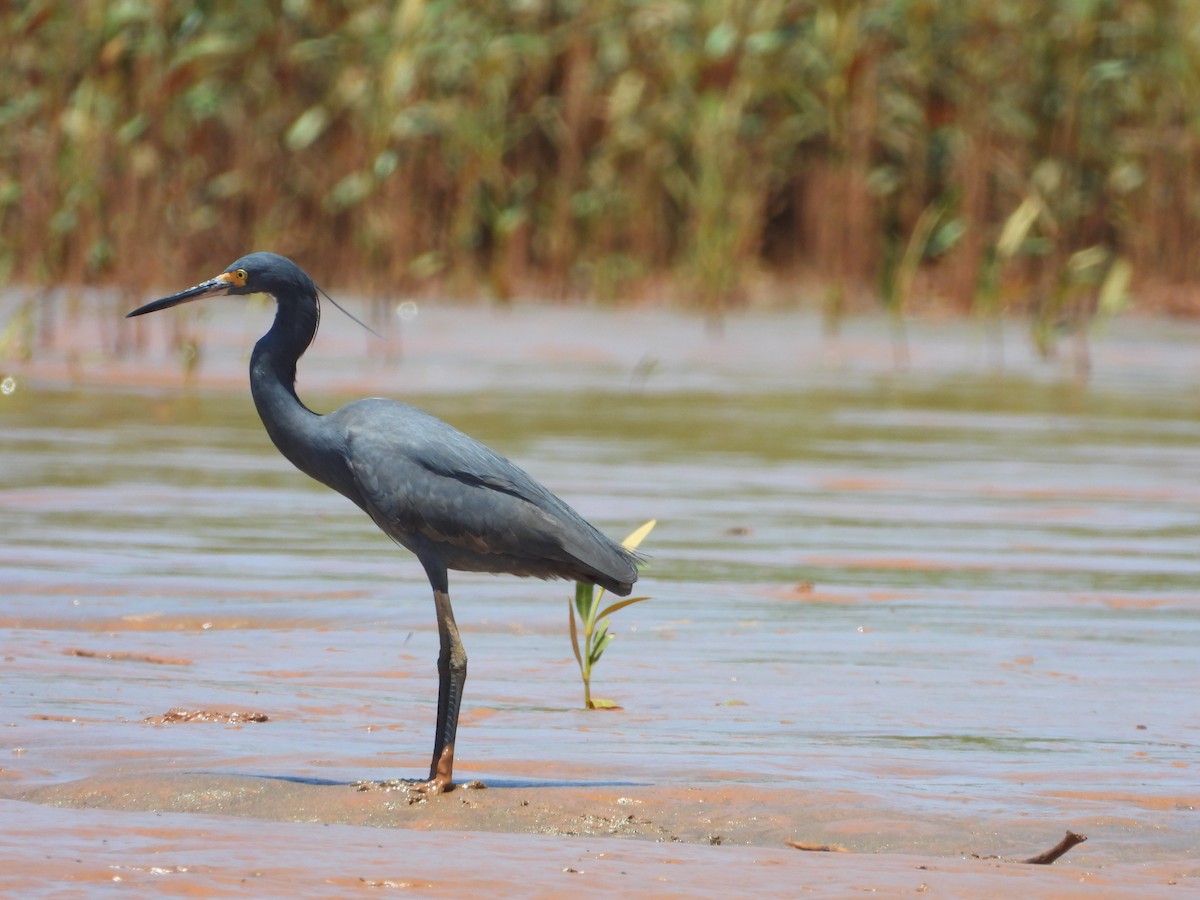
817,848
1042,859
1069,841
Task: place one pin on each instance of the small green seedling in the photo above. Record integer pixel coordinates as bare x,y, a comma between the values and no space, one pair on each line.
595,623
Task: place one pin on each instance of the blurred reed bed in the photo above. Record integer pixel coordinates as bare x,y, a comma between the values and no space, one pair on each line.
983,156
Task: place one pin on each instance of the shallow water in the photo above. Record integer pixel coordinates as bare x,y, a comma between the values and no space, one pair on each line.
963,594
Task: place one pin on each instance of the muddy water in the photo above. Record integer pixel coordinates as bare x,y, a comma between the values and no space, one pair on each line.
949,610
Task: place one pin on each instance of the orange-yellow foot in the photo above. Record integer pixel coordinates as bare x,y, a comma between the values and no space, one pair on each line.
441,781
441,778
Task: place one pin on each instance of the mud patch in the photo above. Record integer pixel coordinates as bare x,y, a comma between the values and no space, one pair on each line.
225,717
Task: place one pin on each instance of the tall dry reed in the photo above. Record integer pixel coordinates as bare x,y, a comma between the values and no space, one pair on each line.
594,147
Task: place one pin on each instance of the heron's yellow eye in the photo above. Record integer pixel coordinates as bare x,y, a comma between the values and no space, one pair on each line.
241,276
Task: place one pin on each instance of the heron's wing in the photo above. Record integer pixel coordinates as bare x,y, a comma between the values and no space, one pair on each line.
420,477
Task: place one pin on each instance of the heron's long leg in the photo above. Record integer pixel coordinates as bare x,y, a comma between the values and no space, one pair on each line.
452,675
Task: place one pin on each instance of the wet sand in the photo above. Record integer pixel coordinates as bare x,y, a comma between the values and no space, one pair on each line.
937,629
196,834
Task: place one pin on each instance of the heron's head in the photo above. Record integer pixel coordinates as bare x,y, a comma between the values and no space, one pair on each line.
255,273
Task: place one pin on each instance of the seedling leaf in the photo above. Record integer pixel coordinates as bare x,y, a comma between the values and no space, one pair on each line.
585,600
634,539
600,644
619,605
574,635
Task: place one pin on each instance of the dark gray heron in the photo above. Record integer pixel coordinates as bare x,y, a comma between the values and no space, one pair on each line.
446,497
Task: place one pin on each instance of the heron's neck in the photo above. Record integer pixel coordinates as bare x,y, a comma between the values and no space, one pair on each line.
273,377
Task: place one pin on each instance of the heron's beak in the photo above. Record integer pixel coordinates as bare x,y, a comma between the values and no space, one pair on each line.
219,285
